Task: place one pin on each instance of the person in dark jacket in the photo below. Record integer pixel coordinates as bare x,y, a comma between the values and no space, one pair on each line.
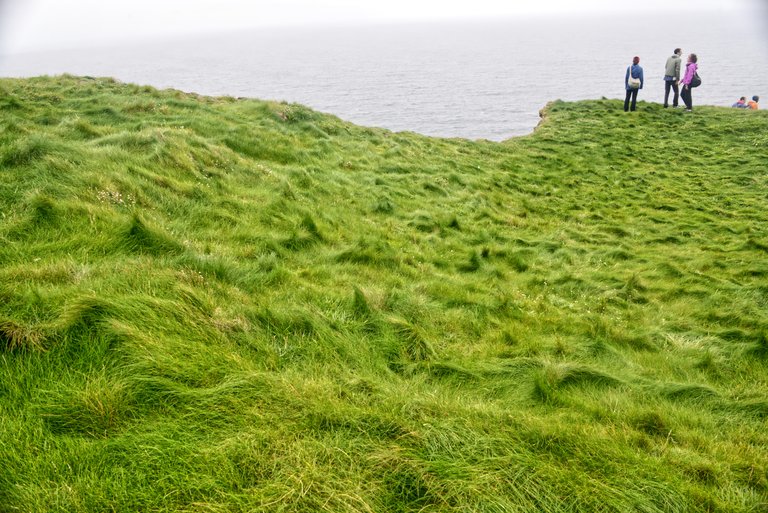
633,82
672,77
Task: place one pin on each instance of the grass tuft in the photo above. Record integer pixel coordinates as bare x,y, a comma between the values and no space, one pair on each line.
755,408
143,239
43,210
295,323
759,349
360,305
97,410
688,392
19,337
305,236
383,206
408,487
545,386
366,252
308,223
86,313
586,377
28,151
415,347
473,264
652,423
449,371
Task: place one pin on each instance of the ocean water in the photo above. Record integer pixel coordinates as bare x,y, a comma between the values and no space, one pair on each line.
476,80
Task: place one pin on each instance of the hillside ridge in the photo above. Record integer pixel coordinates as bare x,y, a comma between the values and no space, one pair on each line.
221,304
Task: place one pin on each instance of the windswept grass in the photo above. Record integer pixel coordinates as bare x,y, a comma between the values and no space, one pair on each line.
215,304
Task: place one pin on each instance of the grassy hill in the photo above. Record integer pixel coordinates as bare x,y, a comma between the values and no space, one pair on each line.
217,304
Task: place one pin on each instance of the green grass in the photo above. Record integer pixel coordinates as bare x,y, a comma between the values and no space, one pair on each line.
214,304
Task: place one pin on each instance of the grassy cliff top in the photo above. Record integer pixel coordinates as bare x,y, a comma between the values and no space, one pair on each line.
217,304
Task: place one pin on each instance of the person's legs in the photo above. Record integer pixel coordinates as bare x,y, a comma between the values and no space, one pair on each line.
634,99
667,87
676,89
626,100
686,95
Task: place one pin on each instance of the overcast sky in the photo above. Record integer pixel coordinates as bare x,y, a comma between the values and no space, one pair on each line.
44,24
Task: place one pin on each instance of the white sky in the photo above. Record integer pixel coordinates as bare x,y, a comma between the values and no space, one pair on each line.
27,25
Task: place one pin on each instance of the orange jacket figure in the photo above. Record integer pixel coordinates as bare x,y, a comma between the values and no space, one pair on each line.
753,104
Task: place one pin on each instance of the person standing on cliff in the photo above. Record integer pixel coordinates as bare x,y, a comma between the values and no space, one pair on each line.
633,82
741,104
690,72
672,77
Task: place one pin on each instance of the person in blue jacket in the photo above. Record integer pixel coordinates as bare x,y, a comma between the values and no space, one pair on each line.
741,104
634,72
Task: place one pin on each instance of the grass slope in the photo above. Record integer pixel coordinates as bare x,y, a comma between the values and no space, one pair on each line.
211,304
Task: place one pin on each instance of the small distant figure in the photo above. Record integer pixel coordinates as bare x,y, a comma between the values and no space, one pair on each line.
672,77
753,104
690,72
741,104
633,82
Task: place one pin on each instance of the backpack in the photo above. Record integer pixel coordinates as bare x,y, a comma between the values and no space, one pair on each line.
696,80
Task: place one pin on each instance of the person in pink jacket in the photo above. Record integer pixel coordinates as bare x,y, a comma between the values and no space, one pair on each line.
690,71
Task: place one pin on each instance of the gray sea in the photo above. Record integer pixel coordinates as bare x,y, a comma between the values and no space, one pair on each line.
476,80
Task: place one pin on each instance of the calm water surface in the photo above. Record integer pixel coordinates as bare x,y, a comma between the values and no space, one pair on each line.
474,80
